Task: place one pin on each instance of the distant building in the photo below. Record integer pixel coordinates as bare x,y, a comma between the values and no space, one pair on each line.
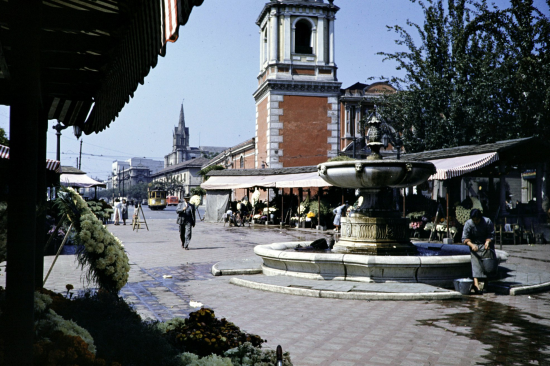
356,104
240,156
132,172
185,173
181,151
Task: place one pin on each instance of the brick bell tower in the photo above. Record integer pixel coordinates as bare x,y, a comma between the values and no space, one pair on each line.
297,99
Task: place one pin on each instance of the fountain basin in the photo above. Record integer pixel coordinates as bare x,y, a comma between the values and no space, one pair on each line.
436,270
375,173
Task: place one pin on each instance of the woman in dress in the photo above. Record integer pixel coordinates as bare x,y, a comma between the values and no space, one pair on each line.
124,211
118,211
479,235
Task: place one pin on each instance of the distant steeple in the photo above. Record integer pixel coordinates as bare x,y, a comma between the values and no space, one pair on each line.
181,125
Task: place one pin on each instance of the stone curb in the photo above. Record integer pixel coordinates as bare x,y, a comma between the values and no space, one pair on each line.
234,272
522,290
347,295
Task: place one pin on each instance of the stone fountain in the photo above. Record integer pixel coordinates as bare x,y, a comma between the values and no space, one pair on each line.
374,245
375,227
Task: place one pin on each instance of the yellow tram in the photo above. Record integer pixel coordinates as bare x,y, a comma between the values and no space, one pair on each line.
156,199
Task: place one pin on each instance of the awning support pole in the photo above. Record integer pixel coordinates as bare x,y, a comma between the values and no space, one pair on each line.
282,206
41,199
448,226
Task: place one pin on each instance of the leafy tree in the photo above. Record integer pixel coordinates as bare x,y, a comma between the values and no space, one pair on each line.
4,138
480,75
198,191
206,170
137,191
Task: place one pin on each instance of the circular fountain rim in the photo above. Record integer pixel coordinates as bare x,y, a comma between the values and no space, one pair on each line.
433,270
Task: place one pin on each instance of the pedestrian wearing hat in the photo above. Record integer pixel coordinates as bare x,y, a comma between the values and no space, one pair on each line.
186,220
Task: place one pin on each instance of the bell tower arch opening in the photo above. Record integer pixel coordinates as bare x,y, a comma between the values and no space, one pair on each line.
303,37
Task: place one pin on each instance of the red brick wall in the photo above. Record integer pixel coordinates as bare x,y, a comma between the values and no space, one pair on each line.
304,131
261,142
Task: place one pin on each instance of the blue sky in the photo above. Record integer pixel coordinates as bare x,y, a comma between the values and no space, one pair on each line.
212,69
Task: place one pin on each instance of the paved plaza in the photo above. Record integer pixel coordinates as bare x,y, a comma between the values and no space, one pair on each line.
492,329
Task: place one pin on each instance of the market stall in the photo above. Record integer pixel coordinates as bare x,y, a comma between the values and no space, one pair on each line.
488,177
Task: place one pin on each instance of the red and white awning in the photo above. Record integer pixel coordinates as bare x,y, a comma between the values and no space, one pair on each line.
4,152
298,180
170,21
460,165
53,165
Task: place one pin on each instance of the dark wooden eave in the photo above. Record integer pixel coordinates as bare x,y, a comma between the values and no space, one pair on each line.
94,53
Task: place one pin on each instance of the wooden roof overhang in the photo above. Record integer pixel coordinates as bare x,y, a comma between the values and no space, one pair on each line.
93,54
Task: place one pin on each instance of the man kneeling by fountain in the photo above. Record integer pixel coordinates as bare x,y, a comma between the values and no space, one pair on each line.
479,234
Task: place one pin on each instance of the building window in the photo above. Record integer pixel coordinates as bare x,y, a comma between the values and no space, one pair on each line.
352,121
303,37
265,46
241,162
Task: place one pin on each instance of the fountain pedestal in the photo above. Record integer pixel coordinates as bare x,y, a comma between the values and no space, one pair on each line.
374,236
374,228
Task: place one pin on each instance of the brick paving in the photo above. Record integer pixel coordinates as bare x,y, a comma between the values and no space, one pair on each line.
491,329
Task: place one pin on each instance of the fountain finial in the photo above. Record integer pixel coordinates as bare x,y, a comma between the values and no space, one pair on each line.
375,135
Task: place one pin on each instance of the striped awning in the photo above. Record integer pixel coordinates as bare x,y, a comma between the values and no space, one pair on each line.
4,152
460,165
300,180
53,165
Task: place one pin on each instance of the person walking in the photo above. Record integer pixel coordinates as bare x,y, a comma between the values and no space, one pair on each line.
117,215
124,211
479,235
186,220
135,216
339,211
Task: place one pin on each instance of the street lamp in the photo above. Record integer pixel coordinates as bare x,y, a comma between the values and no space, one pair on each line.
59,127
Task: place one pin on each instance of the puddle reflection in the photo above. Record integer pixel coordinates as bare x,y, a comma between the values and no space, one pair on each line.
514,337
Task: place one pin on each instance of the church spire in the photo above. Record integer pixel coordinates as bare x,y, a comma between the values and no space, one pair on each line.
181,124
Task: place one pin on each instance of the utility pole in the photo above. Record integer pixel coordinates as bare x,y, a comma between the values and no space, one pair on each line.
80,156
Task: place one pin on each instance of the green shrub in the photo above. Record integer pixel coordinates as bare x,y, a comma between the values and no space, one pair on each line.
198,191
191,359
119,333
248,355
340,158
204,334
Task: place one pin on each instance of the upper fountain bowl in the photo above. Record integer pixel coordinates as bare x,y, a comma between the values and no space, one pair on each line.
375,173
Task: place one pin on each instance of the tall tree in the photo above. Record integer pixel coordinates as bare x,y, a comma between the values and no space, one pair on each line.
473,78
4,138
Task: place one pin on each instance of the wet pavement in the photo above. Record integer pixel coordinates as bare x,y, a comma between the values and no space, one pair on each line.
166,281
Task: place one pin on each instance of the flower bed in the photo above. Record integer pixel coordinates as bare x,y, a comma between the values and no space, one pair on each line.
92,337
